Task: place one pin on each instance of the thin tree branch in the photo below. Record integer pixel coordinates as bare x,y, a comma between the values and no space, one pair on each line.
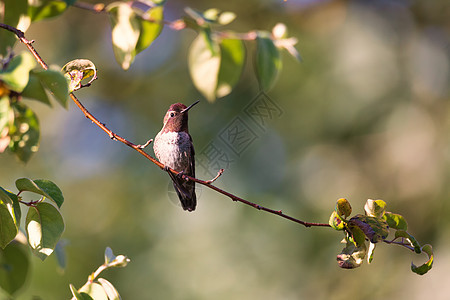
20,34
139,148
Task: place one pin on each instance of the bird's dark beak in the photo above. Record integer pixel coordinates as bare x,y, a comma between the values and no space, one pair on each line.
189,107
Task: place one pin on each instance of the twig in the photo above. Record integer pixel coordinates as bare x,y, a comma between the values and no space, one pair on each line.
215,178
21,36
139,148
146,144
406,245
100,8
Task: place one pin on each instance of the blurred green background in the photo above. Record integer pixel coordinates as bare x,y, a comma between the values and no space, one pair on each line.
365,115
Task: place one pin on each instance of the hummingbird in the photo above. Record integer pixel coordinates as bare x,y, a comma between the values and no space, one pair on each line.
173,147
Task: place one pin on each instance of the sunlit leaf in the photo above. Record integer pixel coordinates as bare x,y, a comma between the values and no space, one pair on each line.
268,61
94,290
25,132
204,67
14,267
149,30
44,225
279,31
56,83
14,14
8,224
78,295
370,252
44,9
226,17
15,76
15,203
424,268
42,187
78,70
231,64
336,221
375,229
125,32
395,221
109,289
375,208
343,207
351,256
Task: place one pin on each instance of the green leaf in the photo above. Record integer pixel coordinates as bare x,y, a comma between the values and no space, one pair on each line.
424,268
375,229
44,225
77,70
77,295
375,208
24,133
51,191
395,221
149,31
336,221
42,187
44,9
125,32
109,289
14,11
35,90
15,203
268,61
356,235
8,223
343,207
411,240
14,267
204,67
56,83
231,65
351,256
94,290
15,76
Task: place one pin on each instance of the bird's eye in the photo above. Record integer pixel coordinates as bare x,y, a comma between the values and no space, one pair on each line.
172,114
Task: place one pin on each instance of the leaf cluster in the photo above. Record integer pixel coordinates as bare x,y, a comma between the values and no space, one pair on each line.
363,232
44,226
216,57
20,79
100,288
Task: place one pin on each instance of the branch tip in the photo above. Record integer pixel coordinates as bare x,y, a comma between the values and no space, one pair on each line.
215,178
145,145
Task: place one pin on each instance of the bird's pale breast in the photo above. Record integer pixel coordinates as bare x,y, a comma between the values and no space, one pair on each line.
173,149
